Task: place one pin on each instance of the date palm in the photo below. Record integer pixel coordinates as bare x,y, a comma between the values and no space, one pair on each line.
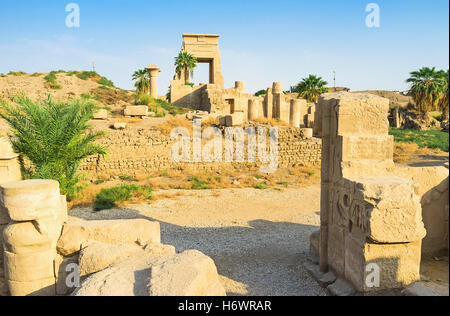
311,88
142,78
54,137
185,64
426,86
443,103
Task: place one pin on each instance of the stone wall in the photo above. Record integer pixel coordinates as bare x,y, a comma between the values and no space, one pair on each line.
370,219
145,151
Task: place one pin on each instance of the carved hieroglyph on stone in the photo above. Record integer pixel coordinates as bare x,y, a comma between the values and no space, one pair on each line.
367,216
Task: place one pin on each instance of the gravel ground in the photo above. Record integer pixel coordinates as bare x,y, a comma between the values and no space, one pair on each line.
257,238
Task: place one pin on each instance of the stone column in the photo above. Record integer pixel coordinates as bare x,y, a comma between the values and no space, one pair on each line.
268,103
294,116
252,109
277,91
359,228
37,212
154,71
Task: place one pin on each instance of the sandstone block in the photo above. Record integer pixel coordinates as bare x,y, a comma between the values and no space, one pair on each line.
136,110
399,264
190,273
120,125
238,118
31,199
82,233
23,238
29,266
99,256
101,115
63,272
45,287
387,209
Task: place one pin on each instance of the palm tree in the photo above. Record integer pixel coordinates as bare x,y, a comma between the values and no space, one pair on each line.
53,137
185,64
142,78
443,103
426,88
311,88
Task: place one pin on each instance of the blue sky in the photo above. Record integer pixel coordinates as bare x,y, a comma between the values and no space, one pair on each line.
261,41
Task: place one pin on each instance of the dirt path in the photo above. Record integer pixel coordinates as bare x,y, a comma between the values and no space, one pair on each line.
257,238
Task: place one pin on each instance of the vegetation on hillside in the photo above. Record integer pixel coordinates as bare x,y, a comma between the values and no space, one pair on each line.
311,88
53,137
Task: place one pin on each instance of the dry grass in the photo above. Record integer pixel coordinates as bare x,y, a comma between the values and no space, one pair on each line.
411,152
199,180
272,122
174,122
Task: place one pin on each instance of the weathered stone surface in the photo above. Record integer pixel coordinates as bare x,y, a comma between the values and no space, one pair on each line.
341,288
31,199
29,266
79,234
99,256
324,279
399,264
23,238
419,289
101,115
64,270
120,125
391,211
45,287
190,273
136,110
9,164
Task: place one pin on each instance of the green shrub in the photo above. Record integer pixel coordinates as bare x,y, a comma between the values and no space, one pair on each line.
260,93
261,186
110,197
126,178
55,86
16,73
53,137
142,99
85,75
105,82
36,74
190,84
51,78
197,184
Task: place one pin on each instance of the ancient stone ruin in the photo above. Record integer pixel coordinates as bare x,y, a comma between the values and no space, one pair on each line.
239,105
371,219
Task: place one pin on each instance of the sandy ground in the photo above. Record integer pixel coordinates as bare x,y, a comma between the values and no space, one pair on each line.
258,238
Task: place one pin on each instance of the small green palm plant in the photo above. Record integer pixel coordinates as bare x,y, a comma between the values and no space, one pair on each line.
53,137
142,81
185,63
311,88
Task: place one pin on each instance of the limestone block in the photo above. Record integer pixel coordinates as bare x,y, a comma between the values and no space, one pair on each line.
31,199
190,273
238,118
120,125
44,287
31,266
9,169
136,110
99,256
387,209
159,249
366,147
24,238
63,214
336,249
4,217
101,115
399,264
314,243
65,272
79,234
